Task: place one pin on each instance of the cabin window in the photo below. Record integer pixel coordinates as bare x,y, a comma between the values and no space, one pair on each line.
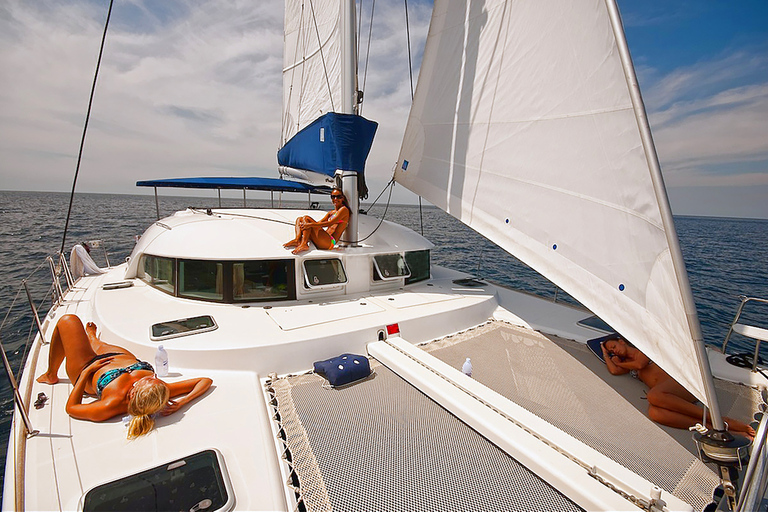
418,263
262,280
320,273
389,266
222,281
159,272
197,482
201,280
182,327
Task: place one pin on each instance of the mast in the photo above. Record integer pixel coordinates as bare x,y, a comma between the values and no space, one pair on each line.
666,214
349,106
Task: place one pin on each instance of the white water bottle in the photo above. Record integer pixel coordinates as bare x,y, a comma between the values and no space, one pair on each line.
467,368
161,362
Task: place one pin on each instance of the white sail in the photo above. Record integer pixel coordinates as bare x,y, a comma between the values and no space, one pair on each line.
311,62
523,127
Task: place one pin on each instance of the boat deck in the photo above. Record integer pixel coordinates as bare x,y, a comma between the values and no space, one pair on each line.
234,417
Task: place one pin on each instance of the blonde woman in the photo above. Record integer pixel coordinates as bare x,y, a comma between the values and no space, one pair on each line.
119,380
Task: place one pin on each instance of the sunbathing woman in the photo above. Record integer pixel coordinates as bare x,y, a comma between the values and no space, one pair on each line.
119,380
334,222
669,403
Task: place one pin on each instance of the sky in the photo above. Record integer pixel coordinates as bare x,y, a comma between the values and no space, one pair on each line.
193,88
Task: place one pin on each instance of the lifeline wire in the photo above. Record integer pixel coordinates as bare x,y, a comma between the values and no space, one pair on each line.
85,128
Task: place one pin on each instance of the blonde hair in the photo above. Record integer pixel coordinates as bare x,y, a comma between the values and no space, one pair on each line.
147,399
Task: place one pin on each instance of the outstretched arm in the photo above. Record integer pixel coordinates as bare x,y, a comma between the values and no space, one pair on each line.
191,389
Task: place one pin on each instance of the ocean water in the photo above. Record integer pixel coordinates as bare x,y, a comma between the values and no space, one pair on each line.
725,258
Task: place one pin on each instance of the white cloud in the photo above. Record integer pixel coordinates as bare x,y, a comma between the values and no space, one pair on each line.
710,122
192,90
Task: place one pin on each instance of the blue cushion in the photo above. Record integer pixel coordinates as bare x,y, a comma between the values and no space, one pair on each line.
595,344
344,369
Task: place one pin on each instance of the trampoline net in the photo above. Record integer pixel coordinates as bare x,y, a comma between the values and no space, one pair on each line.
537,374
381,444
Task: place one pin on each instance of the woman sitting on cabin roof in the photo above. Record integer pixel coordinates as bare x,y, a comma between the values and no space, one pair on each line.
669,403
326,232
121,382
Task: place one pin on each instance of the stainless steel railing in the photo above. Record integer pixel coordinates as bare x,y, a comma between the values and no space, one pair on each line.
755,481
758,334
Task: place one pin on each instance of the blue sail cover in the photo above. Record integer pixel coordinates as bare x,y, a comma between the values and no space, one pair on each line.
333,141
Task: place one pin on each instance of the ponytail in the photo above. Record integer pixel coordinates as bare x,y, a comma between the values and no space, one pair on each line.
140,425
147,400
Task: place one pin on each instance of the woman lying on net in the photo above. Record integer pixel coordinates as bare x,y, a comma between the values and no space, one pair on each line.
121,382
324,233
669,403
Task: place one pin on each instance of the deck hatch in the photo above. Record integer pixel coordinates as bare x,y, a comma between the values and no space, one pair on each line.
182,327
196,482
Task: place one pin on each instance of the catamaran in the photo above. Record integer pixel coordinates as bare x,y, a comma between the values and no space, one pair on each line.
527,125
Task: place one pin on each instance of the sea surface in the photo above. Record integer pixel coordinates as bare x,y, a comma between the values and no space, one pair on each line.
725,258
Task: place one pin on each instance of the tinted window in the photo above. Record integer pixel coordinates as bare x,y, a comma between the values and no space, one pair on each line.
261,280
159,272
179,485
418,262
201,279
389,266
323,272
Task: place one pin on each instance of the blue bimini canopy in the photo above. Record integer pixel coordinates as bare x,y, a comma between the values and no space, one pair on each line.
334,141
269,184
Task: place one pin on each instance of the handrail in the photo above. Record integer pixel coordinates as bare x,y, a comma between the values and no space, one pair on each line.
744,301
67,272
16,395
755,480
57,291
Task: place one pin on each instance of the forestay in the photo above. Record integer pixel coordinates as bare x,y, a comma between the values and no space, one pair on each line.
311,63
523,128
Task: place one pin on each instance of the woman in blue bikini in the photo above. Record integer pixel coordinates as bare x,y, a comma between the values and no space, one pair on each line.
119,380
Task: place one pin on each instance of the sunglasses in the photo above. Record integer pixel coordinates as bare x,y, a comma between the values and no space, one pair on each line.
336,196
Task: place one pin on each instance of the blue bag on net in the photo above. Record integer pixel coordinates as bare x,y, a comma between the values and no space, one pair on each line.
343,369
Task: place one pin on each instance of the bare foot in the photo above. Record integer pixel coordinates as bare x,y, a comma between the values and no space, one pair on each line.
292,243
48,379
300,248
738,427
90,330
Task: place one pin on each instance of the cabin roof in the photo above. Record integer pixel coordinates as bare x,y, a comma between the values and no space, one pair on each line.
250,234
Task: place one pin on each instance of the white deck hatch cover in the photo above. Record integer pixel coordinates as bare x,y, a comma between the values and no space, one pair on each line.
307,315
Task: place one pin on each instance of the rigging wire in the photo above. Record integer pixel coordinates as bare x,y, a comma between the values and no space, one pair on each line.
391,186
322,57
285,128
368,51
85,128
410,74
408,37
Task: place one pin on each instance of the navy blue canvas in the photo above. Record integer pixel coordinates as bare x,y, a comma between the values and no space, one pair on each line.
344,369
333,141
